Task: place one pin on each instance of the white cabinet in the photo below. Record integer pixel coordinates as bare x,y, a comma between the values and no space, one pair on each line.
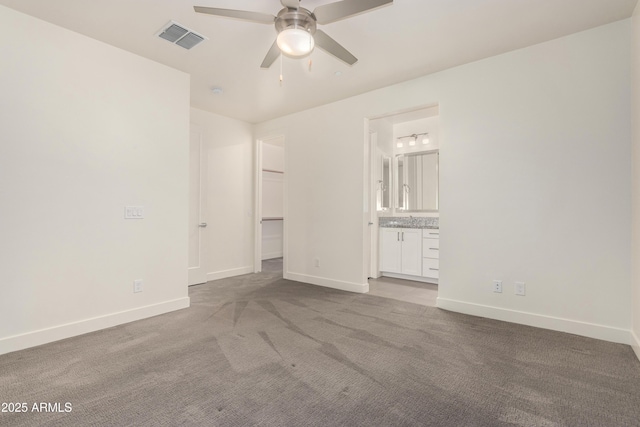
390,250
401,250
431,253
410,253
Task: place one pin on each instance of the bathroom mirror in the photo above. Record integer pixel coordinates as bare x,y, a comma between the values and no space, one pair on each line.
384,191
417,181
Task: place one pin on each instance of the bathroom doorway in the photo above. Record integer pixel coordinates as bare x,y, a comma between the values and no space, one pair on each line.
402,242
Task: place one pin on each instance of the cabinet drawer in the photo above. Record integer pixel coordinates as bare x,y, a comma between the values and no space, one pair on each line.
431,248
430,267
431,233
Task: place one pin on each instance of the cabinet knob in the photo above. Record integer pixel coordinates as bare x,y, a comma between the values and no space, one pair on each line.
202,225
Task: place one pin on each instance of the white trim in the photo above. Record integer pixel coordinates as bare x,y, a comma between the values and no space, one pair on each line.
257,208
217,275
409,277
635,344
329,283
591,330
56,333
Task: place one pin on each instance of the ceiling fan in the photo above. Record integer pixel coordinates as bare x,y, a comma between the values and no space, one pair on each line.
297,27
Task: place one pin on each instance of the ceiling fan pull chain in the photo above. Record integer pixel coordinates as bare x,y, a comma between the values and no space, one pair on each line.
281,69
310,63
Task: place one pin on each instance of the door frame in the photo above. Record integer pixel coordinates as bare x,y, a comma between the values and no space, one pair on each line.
196,274
370,217
257,203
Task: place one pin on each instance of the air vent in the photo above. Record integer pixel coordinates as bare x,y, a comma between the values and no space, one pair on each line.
180,35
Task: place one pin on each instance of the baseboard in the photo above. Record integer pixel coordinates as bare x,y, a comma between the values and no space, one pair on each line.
217,275
413,278
591,330
329,283
635,344
56,333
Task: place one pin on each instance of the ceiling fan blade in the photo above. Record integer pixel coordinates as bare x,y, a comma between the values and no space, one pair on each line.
272,55
261,18
291,4
343,9
332,47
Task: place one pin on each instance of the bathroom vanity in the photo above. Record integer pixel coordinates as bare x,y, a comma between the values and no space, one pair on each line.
409,248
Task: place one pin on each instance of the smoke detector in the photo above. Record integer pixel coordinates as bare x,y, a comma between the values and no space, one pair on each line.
180,35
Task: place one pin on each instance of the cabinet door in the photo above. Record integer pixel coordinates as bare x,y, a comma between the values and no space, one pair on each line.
411,240
390,250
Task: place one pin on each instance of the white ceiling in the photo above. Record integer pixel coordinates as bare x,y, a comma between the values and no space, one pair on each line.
407,39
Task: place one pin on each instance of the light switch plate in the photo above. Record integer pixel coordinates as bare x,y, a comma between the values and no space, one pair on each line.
134,212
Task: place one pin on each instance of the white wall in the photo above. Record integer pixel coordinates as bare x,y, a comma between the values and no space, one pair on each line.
535,183
324,154
87,129
227,150
635,254
273,156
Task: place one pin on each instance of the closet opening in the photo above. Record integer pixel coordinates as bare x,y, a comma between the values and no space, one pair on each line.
270,205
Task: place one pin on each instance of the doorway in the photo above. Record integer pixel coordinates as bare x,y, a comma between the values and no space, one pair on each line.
270,205
402,242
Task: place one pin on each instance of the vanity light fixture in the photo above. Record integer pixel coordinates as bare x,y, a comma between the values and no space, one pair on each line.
414,138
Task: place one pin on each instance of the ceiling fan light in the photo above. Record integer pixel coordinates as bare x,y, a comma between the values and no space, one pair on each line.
295,42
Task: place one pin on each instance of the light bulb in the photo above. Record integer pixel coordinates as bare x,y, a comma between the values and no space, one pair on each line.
295,42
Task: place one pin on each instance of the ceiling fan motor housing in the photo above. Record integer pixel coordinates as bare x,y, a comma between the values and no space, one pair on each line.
300,19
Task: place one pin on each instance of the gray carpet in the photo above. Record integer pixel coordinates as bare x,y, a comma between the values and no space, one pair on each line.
260,350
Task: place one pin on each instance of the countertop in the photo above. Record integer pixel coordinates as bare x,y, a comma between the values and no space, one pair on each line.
409,222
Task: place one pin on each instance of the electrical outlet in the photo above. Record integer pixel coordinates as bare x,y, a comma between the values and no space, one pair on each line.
520,289
497,286
316,262
137,286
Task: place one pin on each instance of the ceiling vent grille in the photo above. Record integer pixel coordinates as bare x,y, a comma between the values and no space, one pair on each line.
180,35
